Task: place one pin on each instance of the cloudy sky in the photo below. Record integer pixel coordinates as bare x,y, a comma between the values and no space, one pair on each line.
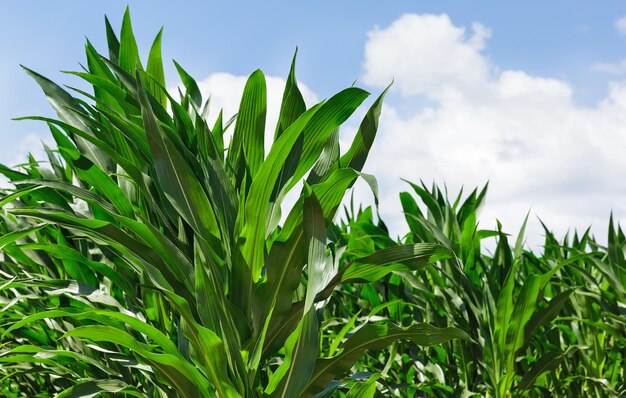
527,95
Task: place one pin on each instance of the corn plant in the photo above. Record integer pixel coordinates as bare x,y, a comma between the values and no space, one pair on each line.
534,319
147,255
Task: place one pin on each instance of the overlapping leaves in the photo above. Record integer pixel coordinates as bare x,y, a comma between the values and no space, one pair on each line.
153,256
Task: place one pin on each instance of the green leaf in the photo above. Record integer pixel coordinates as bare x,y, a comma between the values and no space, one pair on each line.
177,179
292,105
190,85
151,263
333,113
375,337
366,389
355,157
129,53
524,308
546,363
96,387
214,358
140,326
302,348
66,253
431,203
218,136
155,70
62,356
327,160
384,261
258,205
248,138
274,297
321,267
342,334
68,110
414,256
100,180
184,377
112,41
544,316
13,236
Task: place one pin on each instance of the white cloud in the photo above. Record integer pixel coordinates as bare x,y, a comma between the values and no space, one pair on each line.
615,69
620,25
34,144
523,133
426,54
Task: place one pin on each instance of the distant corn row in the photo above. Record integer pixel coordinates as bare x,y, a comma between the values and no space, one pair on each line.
146,256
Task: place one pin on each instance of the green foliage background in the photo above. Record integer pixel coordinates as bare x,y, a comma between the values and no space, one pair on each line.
147,257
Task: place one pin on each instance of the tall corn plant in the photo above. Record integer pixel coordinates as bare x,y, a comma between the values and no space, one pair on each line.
591,325
506,299
150,258
400,297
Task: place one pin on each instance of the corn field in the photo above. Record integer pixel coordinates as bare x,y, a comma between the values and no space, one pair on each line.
154,255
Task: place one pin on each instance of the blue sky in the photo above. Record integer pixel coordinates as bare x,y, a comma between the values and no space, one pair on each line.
522,59
557,38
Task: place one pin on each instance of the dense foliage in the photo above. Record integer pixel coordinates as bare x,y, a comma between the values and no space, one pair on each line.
148,256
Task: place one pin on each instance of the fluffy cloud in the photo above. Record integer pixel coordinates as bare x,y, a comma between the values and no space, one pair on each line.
34,144
620,25
522,133
426,54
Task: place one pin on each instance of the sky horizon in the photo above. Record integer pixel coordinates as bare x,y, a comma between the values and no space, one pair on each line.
530,97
